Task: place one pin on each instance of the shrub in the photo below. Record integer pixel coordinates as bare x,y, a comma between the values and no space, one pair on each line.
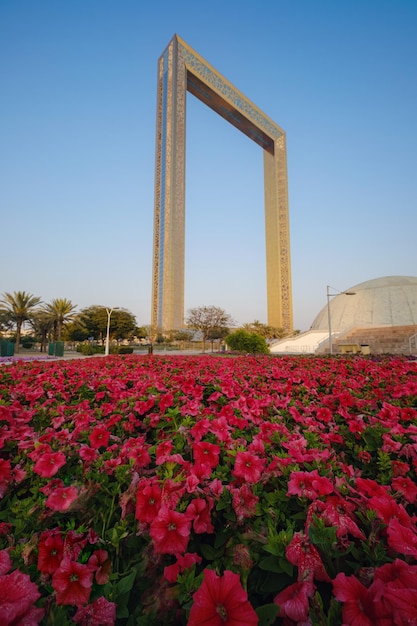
124,350
251,343
88,349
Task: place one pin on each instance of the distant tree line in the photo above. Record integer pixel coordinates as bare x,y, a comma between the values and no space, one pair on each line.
59,320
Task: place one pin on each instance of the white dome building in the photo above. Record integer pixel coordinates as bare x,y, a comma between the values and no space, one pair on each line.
388,301
379,316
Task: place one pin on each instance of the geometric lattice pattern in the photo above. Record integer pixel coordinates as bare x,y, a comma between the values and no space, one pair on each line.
181,69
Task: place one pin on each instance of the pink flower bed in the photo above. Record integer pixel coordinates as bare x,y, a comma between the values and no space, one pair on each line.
206,491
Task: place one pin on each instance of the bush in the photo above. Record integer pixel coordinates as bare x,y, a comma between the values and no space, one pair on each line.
88,349
250,343
124,350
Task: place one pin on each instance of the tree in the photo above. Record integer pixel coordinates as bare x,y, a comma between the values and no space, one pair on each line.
250,343
59,311
217,334
6,323
123,325
42,326
94,320
207,319
19,307
75,331
269,332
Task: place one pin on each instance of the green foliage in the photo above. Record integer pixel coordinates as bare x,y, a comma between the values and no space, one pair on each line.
88,349
124,350
208,320
250,343
93,320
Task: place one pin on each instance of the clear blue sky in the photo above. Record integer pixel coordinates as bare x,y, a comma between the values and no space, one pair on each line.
77,148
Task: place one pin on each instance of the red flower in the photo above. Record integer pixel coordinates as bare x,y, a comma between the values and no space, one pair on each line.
49,464
206,453
51,551
309,485
358,607
398,574
402,539
199,512
5,562
148,502
248,466
100,613
62,498
171,572
221,601
244,501
5,475
99,437
17,597
403,604
405,486
293,601
335,512
304,555
163,451
170,532
100,563
72,583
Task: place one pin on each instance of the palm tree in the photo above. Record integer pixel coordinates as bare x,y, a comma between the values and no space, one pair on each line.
19,307
42,325
59,311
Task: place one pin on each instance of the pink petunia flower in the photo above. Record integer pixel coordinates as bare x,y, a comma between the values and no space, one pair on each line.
100,563
148,502
402,539
293,601
199,512
221,600
51,551
304,555
170,531
309,485
99,437
101,612
171,572
72,583
206,453
244,501
405,486
5,476
62,498
5,562
17,597
248,467
358,607
49,464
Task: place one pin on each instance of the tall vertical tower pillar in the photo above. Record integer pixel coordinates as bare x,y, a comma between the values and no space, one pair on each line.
181,69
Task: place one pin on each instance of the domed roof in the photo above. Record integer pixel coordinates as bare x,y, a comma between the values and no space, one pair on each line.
388,301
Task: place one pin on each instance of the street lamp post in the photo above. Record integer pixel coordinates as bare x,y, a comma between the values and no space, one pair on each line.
109,312
329,317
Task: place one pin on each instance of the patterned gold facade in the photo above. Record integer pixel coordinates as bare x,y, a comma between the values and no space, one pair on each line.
181,69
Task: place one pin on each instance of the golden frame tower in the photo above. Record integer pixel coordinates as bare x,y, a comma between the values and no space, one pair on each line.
181,69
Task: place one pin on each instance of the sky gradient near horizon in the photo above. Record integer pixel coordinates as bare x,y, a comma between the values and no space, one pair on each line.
77,148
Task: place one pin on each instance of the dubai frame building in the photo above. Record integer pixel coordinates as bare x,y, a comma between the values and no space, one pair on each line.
181,69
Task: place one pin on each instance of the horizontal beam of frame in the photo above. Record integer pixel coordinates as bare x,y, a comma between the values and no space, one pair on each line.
226,110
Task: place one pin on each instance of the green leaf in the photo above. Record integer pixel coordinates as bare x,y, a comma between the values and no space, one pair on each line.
277,565
125,584
122,611
267,614
209,552
222,538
